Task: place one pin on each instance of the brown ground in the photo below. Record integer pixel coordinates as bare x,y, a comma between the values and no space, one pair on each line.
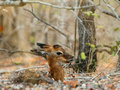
101,79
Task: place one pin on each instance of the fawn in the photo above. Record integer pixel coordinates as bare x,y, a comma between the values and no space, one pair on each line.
55,55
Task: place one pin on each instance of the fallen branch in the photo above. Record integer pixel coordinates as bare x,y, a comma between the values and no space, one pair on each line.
22,69
102,71
113,74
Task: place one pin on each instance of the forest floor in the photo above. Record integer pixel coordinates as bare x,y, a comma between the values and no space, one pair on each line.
14,70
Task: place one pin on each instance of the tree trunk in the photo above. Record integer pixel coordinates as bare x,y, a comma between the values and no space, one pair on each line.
86,31
118,64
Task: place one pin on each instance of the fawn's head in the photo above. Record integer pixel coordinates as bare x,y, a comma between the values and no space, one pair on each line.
56,51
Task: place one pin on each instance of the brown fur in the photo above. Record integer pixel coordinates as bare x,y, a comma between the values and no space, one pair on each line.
55,60
56,69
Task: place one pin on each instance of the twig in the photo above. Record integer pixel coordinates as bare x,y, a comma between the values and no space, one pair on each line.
23,2
80,77
3,3
4,72
54,27
29,68
105,50
105,67
103,10
101,72
104,46
11,3
112,74
112,9
22,69
57,6
12,52
98,46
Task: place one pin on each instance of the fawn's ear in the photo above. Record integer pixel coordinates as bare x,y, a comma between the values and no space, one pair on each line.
42,45
56,46
39,52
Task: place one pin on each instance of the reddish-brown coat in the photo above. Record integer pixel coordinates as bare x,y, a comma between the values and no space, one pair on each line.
55,55
56,69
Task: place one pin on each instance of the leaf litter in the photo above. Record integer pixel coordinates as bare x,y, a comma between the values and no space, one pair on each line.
37,77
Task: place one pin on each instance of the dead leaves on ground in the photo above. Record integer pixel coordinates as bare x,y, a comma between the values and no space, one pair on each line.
37,78
72,83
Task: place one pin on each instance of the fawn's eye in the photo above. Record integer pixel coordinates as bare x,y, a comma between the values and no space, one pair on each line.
59,53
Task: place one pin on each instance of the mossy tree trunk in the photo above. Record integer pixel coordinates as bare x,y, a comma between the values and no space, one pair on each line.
86,31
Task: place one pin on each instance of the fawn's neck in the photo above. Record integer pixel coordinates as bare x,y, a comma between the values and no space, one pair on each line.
53,63
56,69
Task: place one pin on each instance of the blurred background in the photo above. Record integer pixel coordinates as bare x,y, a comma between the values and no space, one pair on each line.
19,30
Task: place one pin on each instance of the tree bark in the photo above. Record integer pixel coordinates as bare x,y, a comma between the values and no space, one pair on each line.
86,31
118,63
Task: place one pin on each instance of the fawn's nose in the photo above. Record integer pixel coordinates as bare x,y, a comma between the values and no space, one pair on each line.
72,58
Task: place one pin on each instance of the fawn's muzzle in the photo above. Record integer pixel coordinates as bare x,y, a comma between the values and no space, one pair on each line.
72,58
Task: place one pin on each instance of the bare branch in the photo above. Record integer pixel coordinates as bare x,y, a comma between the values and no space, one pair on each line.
112,9
12,52
57,6
12,3
23,2
105,11
103,50
98,46
52,26
98,49
22,69
113,74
